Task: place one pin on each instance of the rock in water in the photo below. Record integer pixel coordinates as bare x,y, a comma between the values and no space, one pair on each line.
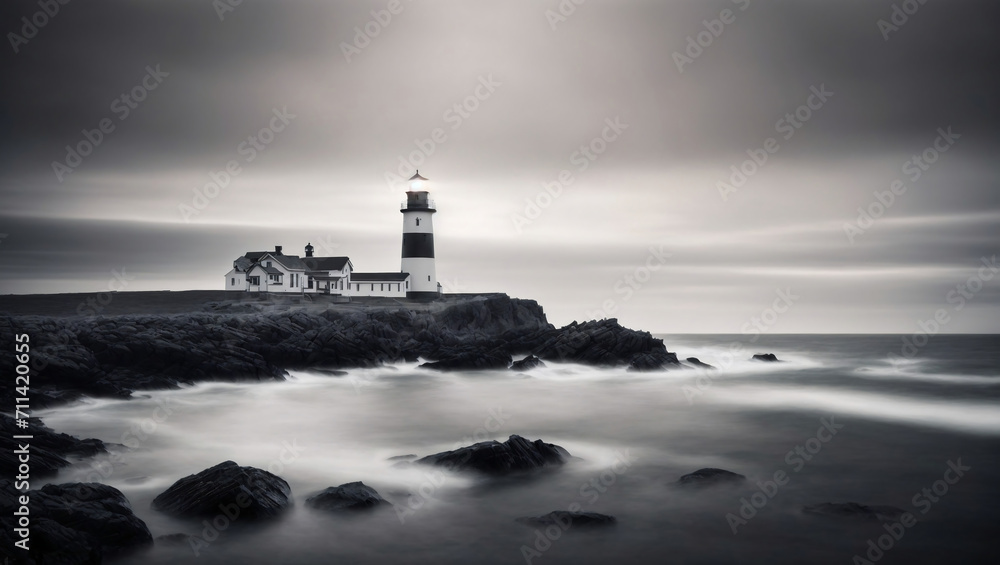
698,363
709,477
469,358
529,362
494,458
768,357
48,448
73,523
855,511
349,496
255,493
565,519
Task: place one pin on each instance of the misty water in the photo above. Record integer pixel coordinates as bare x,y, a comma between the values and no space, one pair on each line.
635,434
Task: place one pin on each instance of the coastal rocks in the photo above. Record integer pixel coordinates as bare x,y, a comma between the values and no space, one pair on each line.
566,519
698,363
516,455
855,511
526,364
247,491
74,523
114,356
350,497
602,342
710,476
48,448
766,357
472,359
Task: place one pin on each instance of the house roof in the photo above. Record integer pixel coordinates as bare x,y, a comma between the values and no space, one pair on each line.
255,255
271,270
379,277
325,263
290,262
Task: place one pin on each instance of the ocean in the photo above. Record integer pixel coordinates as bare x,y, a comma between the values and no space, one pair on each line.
842,418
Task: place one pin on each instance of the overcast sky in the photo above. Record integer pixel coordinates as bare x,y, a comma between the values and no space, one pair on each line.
502,96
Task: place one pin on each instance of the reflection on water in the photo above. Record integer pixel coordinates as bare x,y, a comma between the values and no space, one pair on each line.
635,434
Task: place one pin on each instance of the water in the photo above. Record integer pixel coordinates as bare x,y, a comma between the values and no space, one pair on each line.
636,434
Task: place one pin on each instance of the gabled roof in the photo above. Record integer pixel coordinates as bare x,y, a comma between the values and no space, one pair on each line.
379,277
255,255
271,270
292,262
325,263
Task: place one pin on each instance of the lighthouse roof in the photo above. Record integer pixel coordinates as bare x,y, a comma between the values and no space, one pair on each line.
416,176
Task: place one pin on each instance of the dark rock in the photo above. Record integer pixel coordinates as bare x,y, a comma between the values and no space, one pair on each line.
349,496
767,357
473,360
565,519
257,493
855,511
330,372
494,458
697,363
253,339
647,362
526,364
73,523
709,477
49,449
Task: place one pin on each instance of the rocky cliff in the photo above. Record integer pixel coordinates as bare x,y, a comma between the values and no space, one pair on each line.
117,355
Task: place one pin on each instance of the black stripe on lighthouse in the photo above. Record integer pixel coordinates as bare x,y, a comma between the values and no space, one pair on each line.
418,245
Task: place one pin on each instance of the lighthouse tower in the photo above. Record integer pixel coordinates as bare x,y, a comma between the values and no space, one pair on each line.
418,240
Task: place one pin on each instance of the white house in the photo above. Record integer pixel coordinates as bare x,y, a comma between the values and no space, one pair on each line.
275,272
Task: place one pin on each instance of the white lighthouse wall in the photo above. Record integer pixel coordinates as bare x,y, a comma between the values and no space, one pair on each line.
422,275
410,224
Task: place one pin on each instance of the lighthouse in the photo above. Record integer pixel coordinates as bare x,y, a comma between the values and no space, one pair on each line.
418,240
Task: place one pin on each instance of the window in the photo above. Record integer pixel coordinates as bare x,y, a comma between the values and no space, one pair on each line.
407,285
428,278
309,282
268,263
381,286
373,287
254,281
232,281
418,221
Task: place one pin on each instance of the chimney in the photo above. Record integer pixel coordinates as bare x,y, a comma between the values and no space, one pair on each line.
277,250
309,250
